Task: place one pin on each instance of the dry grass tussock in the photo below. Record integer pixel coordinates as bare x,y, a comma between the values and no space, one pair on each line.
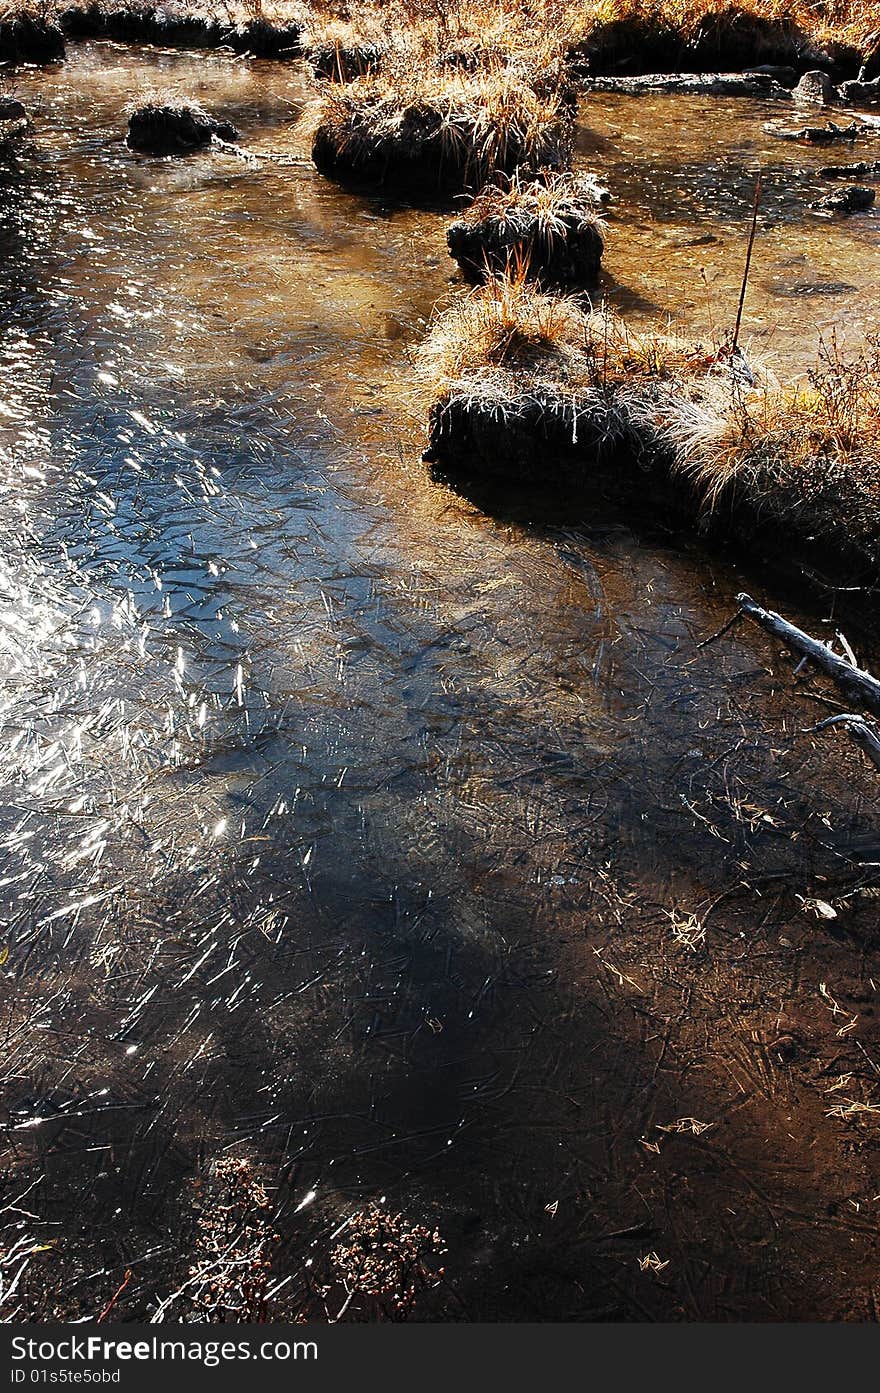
729,428
549,230
445,33
550,203
507,336
463,127
822,428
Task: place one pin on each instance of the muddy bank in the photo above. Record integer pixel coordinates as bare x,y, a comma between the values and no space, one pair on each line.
725,41
819,514
30,39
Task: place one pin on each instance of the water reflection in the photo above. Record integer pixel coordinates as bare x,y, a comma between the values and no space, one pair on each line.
683,171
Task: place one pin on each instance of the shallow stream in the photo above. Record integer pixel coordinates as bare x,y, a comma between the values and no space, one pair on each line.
404,844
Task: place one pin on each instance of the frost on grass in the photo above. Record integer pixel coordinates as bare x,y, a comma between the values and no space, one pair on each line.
551,227
526,384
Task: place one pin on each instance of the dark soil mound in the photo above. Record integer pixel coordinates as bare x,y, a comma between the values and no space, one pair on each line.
11,110
29,39
727,41
734,39
629,46
414,157
568,258
264,40
536,437
174,130
142,26
820,512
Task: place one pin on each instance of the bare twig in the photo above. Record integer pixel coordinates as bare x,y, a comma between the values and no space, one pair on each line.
856,726
747,268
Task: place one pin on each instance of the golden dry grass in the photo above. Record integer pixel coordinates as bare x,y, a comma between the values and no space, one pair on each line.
550,202
852,21
551,29
524,27
829,418
510,335
470,124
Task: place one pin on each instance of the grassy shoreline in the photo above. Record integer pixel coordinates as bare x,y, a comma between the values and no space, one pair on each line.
597,35
532,388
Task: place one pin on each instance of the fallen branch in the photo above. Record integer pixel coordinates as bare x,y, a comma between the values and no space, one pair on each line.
858,686
864,736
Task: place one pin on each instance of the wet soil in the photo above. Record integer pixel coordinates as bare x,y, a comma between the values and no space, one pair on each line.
404,844
174,130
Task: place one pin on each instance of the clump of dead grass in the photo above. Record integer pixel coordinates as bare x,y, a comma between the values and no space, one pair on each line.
446,128
509,333
552,202
550,227
445,33
822,431
800,458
